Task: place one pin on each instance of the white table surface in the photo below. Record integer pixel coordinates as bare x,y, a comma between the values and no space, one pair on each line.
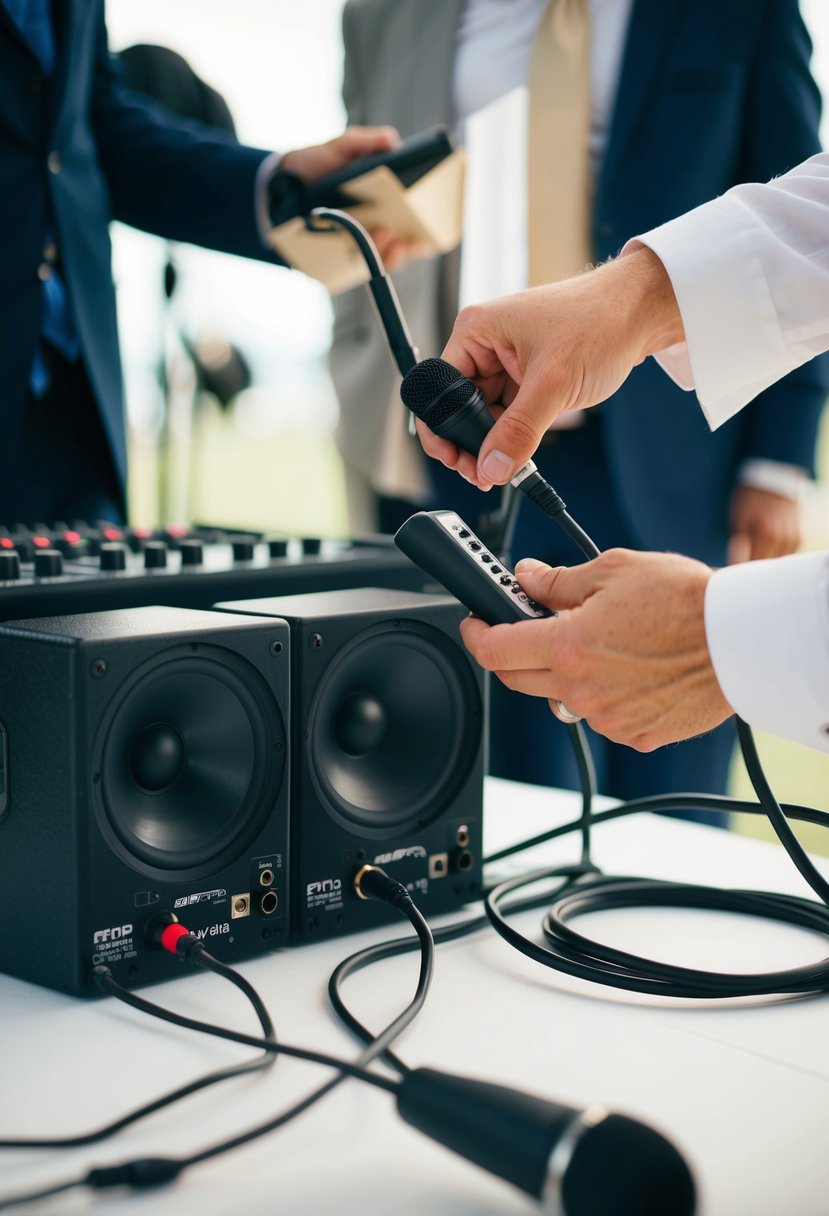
741,1086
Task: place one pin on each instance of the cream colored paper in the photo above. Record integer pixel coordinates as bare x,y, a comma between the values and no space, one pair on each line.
430,211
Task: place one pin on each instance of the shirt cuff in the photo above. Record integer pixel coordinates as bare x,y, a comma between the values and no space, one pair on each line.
264,173
767,625
787,480
731,323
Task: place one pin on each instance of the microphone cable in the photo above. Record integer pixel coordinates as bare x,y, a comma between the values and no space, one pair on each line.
262,1062
143,1173
584,884
454,407
576,954
383,294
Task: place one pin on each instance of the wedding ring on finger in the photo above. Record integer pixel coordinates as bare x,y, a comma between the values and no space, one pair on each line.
564,713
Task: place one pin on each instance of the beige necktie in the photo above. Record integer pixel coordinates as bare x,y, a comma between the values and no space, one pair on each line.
559,192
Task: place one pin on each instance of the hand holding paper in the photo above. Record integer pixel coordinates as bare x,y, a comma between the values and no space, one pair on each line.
411,215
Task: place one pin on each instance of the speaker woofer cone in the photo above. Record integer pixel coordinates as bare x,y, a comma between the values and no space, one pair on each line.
191,758
394,727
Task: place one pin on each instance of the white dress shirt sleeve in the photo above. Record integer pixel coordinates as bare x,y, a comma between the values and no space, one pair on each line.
767,625
750,271
787,480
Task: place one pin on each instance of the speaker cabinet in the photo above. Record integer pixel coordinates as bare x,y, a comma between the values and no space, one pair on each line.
145,767
387,753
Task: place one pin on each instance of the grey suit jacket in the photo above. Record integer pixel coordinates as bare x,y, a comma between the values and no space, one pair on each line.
419,35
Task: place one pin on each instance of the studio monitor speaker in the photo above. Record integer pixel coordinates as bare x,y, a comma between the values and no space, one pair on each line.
387,753
144,765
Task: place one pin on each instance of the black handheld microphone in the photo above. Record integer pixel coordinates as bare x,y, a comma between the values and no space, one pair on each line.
575,1163
455,408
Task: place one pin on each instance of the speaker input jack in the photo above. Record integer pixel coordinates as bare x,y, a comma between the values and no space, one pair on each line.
268,903
266,878
239,906
358,879
370,882
462,836
464,860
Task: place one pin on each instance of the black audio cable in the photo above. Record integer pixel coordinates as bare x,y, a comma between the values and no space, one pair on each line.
577,955
545,1149
262,1062
453,407
660,803
383,294
582,889
157,1171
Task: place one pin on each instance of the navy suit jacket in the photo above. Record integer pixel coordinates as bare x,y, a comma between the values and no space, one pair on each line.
74,154
710,94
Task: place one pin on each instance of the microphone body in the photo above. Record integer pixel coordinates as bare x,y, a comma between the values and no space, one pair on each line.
469,420
575,1163
453,407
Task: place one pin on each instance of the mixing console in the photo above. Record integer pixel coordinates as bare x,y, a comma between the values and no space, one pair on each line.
60,568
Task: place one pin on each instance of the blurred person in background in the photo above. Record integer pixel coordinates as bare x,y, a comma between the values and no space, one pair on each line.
639,110
77,150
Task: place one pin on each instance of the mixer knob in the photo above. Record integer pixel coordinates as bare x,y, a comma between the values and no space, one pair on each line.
155,555
243,548
192,552
311,545
113,557
48,563
136,538
9,566
278,547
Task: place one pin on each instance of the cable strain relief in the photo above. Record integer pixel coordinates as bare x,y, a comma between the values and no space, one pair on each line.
139,1175
373,883
100,974
543,495
188,945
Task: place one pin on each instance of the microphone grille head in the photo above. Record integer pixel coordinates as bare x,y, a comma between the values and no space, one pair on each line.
434,390
625,1167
